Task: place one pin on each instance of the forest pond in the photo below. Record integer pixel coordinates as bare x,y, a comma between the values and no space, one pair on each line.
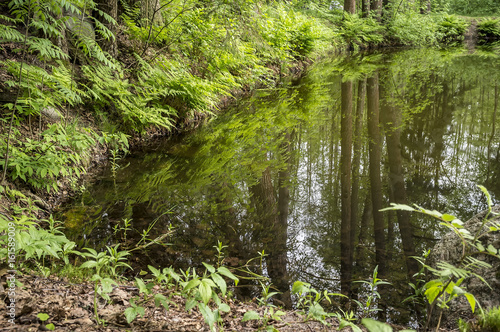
280,170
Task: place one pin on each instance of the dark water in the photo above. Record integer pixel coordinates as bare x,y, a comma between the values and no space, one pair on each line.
300,171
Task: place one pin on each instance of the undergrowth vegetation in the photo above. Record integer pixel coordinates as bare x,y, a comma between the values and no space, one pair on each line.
488,30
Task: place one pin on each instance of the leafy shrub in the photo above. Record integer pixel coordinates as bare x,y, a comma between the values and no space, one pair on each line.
34,242
489,30
452,29
413,29
41,163
474,7
361,32
42,89
449,278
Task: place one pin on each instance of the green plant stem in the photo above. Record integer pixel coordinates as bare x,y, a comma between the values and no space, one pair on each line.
433,304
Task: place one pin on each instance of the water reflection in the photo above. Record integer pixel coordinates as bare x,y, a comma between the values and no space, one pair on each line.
302,172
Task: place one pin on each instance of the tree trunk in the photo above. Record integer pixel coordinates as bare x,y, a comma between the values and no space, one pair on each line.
392,121
376,8
365,8
356,160
265,205
350,6
150,13
345,184
375,151
425,7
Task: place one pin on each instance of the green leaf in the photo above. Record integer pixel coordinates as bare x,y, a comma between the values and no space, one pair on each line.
344,323
142,286
395,206
209,315
480,246
472,301
130,314
43,316
209,267
448,217
317,311
492,250
221,283
458,291
161,299
89,264
205,290
250,315
431,293
190,304
488,196
50,327
193,283
374,326
225,272
224,307
155,271
300,287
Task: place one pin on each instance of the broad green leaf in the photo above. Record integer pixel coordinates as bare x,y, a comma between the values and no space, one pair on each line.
458,291
432,293
161,299
209,267
205,290
317,311
344,323
374,326
193,283
142,286
487,194
492,250
50,327
224,307
43,316
300,287
130,314
221,283
209,315
190,304
472,301
250,315
395,206
479,246
225,272
155,271
448,217
89,264
433,283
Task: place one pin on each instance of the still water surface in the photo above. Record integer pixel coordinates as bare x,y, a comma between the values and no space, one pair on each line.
301,170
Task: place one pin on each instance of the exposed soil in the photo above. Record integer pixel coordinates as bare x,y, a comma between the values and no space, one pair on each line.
71,308
470,37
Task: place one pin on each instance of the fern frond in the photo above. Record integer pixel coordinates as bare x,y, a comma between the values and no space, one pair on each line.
10,34
45,49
